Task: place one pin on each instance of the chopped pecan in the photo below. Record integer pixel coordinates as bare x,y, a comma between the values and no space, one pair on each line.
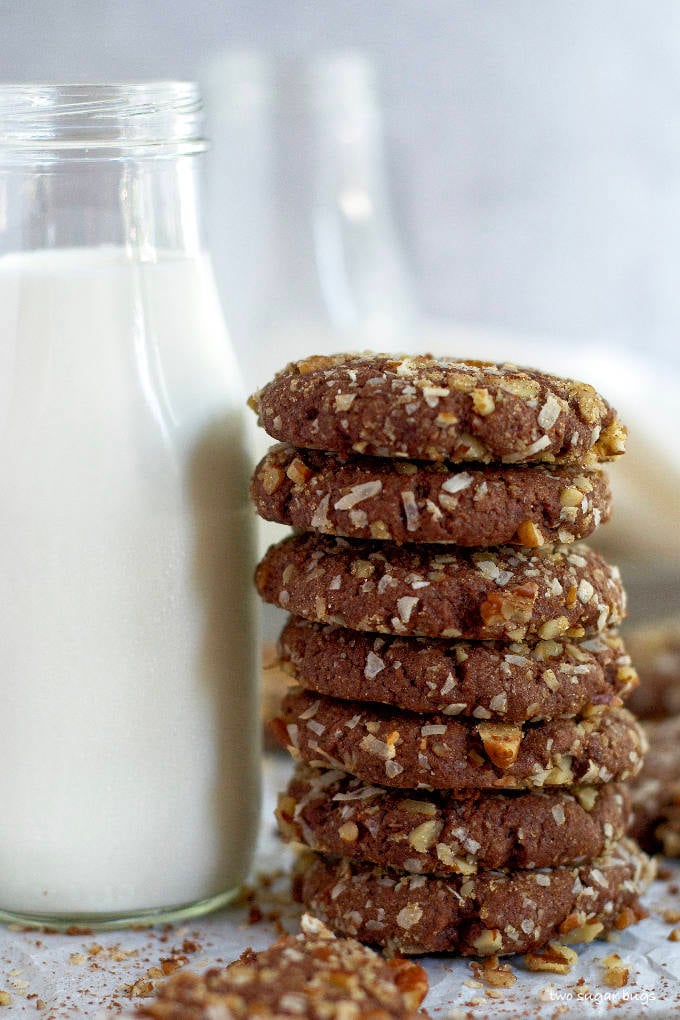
298,471
411,980
554,957
482,401
584,932
501,742
529,535
271,477
512,606
494,973
615,972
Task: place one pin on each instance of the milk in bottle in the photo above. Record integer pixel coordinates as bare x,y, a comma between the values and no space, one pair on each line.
129,751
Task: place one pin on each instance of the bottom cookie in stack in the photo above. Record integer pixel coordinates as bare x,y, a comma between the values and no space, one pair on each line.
491,913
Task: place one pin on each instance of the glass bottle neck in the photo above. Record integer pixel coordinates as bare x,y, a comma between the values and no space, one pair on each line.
89,166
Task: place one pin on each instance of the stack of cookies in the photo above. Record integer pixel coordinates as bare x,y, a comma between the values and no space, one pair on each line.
458,723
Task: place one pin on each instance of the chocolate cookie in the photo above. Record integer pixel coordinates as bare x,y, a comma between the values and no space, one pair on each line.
461,832
313,975
480,915
392,748
510,683
409,501
656,790
441,591
656,651
437,409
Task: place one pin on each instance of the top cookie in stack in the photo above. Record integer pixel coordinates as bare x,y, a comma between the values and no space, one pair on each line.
438,409
438,575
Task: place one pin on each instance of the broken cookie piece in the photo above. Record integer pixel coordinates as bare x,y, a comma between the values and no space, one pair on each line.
313,975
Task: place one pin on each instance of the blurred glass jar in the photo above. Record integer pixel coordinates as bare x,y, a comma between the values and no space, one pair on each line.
129,755
307,254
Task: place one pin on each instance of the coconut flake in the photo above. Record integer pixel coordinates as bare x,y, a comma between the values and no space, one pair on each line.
550,412
320,515
433,393
378,748
343,401
448,684
363,793
385,582
293,734
540,444
358,493
411,510
310,712
374,665
488,569
354,721
405,607
458,482
455,708
557,812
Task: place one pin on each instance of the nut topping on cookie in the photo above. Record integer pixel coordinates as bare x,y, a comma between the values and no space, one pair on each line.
438,409
501,742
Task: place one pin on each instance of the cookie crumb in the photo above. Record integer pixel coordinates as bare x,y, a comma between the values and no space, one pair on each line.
554,958
493,973
616,973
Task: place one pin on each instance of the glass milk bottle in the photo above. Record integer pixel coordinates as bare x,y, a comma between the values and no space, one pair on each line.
129,740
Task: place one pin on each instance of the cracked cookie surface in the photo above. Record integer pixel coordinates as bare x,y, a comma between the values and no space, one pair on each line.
390,747
409,501
461,832
438,409
479,915
505,594
485,680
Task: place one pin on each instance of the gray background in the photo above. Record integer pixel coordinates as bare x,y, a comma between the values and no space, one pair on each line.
533,145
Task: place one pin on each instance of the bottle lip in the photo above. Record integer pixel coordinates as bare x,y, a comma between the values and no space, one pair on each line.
90,120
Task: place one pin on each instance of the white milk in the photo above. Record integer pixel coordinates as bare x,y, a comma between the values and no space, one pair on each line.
129,747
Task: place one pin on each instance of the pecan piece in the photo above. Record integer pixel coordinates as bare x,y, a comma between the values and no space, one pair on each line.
411,980
554,957
501,742
615,971
514,606
298,472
